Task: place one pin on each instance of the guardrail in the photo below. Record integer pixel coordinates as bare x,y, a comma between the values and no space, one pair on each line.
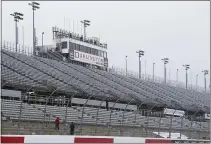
92,139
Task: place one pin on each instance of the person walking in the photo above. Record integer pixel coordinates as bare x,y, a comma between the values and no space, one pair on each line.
72,128
57,123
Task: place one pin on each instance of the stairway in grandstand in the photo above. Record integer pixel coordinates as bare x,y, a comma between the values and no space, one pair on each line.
54,55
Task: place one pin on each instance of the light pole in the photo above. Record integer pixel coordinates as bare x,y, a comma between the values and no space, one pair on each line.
165,61
153,71
197,80
17,16
42,39
187,66
191,79
205,73
169,74
34,6
177,75
42,42
85,23
126,64
140,53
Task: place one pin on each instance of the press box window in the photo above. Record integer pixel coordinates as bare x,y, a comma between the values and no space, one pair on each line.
77,47
71,46
64,44
74,46
88,50
82,49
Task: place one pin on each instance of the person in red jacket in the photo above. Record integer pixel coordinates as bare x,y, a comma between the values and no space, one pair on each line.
57,123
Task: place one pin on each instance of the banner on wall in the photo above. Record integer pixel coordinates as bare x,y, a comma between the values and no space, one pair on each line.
88,58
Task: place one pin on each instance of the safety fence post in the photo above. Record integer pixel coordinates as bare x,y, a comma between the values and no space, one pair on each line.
170,126
199,128
21,106
67,105
46,102
96,123
134,123
146,128
122,121
159,122
82,115
109,123
192,117
182,118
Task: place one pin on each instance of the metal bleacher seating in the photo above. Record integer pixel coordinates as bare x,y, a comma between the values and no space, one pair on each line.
22,70
34,112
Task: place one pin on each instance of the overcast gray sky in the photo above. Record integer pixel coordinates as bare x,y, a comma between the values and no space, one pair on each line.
177,30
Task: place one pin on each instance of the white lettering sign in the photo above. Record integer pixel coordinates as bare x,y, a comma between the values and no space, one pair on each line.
88,58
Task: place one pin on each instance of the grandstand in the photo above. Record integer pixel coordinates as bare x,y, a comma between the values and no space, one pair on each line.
36,90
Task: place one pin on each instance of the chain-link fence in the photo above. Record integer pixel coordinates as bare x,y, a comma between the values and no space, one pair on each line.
94,110
36,114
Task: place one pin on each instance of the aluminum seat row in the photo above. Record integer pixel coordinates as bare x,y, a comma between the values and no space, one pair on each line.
77,79
34,112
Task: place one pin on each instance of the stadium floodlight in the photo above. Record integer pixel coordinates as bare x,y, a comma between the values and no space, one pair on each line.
187,66
17,17
18,14
205,73
140,54
85,23
165,61
36,3
34,6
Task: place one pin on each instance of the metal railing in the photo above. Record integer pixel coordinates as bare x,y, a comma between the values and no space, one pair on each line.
157,79
121,122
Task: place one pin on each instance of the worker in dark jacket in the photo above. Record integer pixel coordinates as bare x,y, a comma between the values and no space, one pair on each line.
72,128
57,123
